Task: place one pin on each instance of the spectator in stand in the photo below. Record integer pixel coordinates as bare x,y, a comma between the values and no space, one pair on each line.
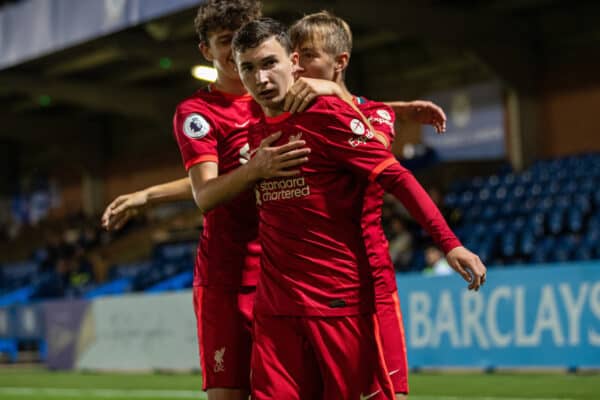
401,244
436,262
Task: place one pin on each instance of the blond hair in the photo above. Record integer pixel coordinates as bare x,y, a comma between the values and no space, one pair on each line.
332,32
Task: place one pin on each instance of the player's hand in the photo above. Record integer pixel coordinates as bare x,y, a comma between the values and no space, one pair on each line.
275,161
304,91
468,265
424,112
122,209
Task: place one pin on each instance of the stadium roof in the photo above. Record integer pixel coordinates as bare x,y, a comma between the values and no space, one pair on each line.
402,49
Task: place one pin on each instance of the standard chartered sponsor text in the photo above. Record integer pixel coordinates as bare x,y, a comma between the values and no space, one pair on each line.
284,189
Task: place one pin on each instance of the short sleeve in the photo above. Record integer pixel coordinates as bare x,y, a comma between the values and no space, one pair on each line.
350,142
381,117
196,136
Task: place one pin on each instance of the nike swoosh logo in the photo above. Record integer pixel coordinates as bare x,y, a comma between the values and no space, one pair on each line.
245,124
393,372
363,397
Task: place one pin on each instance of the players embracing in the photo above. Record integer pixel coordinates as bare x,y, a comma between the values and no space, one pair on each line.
212,129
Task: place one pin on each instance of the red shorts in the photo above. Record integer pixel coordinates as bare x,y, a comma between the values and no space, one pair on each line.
224,323
391,329
318,358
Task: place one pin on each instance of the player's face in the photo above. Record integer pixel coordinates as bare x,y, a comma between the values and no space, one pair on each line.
267,73
314,62
218,51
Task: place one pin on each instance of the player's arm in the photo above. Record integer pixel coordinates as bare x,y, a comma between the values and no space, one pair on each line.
398,181
351,146
423,112
126,206
305,90
211,190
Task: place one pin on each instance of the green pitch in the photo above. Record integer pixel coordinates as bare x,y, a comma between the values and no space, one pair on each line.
44,385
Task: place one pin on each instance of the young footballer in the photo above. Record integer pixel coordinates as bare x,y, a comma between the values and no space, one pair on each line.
315,334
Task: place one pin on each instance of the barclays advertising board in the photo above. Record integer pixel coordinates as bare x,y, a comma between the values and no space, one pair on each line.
533,316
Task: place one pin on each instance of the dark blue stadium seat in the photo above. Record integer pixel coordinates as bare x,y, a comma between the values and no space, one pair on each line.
490,212
175,251
484,195
582,202
486,250
509,180
535,190
591,238
564,248
587,185
556,222
575,220
527,242
542,252
451,200
583,253
563,202
128,270
517,224
597,199
177,282
508,244
545,204
466,199
492,182
473,213
501,194
509,209
497,228
480,229
570,187
518,192
529,206
524,178
477,183
146,277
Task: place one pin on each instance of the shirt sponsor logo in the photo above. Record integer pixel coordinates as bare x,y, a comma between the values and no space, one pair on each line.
384,114
281,189
384,121
357,127
196,126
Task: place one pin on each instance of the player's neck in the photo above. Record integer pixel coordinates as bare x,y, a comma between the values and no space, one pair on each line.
342,86
273,111
230,86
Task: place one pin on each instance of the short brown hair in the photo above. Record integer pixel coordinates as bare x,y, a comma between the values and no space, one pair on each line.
331,31
258,31
216,15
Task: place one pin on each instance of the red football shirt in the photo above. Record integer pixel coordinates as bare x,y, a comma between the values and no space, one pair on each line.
314,260
213,126
382,119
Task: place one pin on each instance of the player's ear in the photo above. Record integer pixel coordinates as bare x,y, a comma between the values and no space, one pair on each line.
341,62
295,59
205,50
